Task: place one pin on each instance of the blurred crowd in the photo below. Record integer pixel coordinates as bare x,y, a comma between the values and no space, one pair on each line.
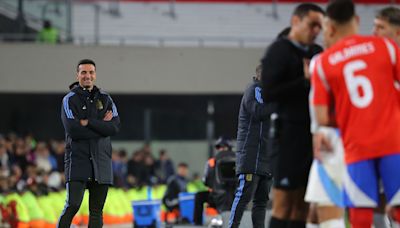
38,166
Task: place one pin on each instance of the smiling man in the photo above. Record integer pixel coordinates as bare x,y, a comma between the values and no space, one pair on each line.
90,117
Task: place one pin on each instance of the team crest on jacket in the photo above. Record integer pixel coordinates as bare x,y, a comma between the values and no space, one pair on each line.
249,177
99,105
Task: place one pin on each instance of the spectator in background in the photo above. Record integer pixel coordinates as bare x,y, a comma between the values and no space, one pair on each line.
16,178
164,167
28,177
43,159
59,153
30,142
29,150
148,173
48,34
146,149
54,181
175,185
119,163
20,155
8,143
220,192
135,167
197,184
5,162
4,185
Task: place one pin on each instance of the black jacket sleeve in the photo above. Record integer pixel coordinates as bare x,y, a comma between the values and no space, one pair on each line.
71,123
106,128
254,102
208,177
276,66
170,198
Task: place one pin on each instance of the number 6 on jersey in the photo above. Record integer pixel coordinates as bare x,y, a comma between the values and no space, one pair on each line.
353,82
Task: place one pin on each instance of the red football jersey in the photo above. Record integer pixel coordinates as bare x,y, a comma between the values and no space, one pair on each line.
360,73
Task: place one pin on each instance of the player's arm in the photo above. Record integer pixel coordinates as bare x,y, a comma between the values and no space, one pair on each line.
71,120
322,115
320,93
319,100
110,124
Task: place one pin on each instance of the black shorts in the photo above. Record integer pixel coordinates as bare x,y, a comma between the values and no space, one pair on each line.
293,149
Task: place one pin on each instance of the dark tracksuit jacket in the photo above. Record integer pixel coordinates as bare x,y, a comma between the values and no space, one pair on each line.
253,160
175,185
251,154
88,149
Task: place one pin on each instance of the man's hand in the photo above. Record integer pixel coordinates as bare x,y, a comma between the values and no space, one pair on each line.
84,122
320,142
306,68
108,116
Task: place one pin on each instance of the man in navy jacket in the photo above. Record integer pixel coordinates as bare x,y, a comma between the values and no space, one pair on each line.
253,163
90,117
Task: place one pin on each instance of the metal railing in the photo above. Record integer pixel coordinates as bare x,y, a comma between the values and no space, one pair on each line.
168,41
153,41
34,12
63,8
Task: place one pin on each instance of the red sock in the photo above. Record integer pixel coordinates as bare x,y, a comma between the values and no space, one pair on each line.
396,214
361,217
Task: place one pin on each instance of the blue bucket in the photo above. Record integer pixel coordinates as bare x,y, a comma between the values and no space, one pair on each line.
146,213
186,206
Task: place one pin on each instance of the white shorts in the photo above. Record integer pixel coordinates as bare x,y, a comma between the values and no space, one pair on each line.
325,181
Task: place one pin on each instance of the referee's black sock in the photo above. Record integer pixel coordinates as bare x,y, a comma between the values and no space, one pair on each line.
278,223
297,224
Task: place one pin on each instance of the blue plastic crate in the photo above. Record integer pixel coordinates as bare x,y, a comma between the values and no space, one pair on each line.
186,206
146,213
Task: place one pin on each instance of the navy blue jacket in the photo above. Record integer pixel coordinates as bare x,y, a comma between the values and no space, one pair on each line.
88,149
175,185
251,154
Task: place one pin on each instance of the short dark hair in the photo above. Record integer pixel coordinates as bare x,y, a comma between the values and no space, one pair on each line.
85,61
183,164
46,24
390,14
162,152
303,9
340,11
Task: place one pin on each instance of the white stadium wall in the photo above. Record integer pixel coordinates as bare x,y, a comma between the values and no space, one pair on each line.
128,69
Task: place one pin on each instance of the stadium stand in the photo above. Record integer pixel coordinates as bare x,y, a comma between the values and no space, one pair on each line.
182,23
212,24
